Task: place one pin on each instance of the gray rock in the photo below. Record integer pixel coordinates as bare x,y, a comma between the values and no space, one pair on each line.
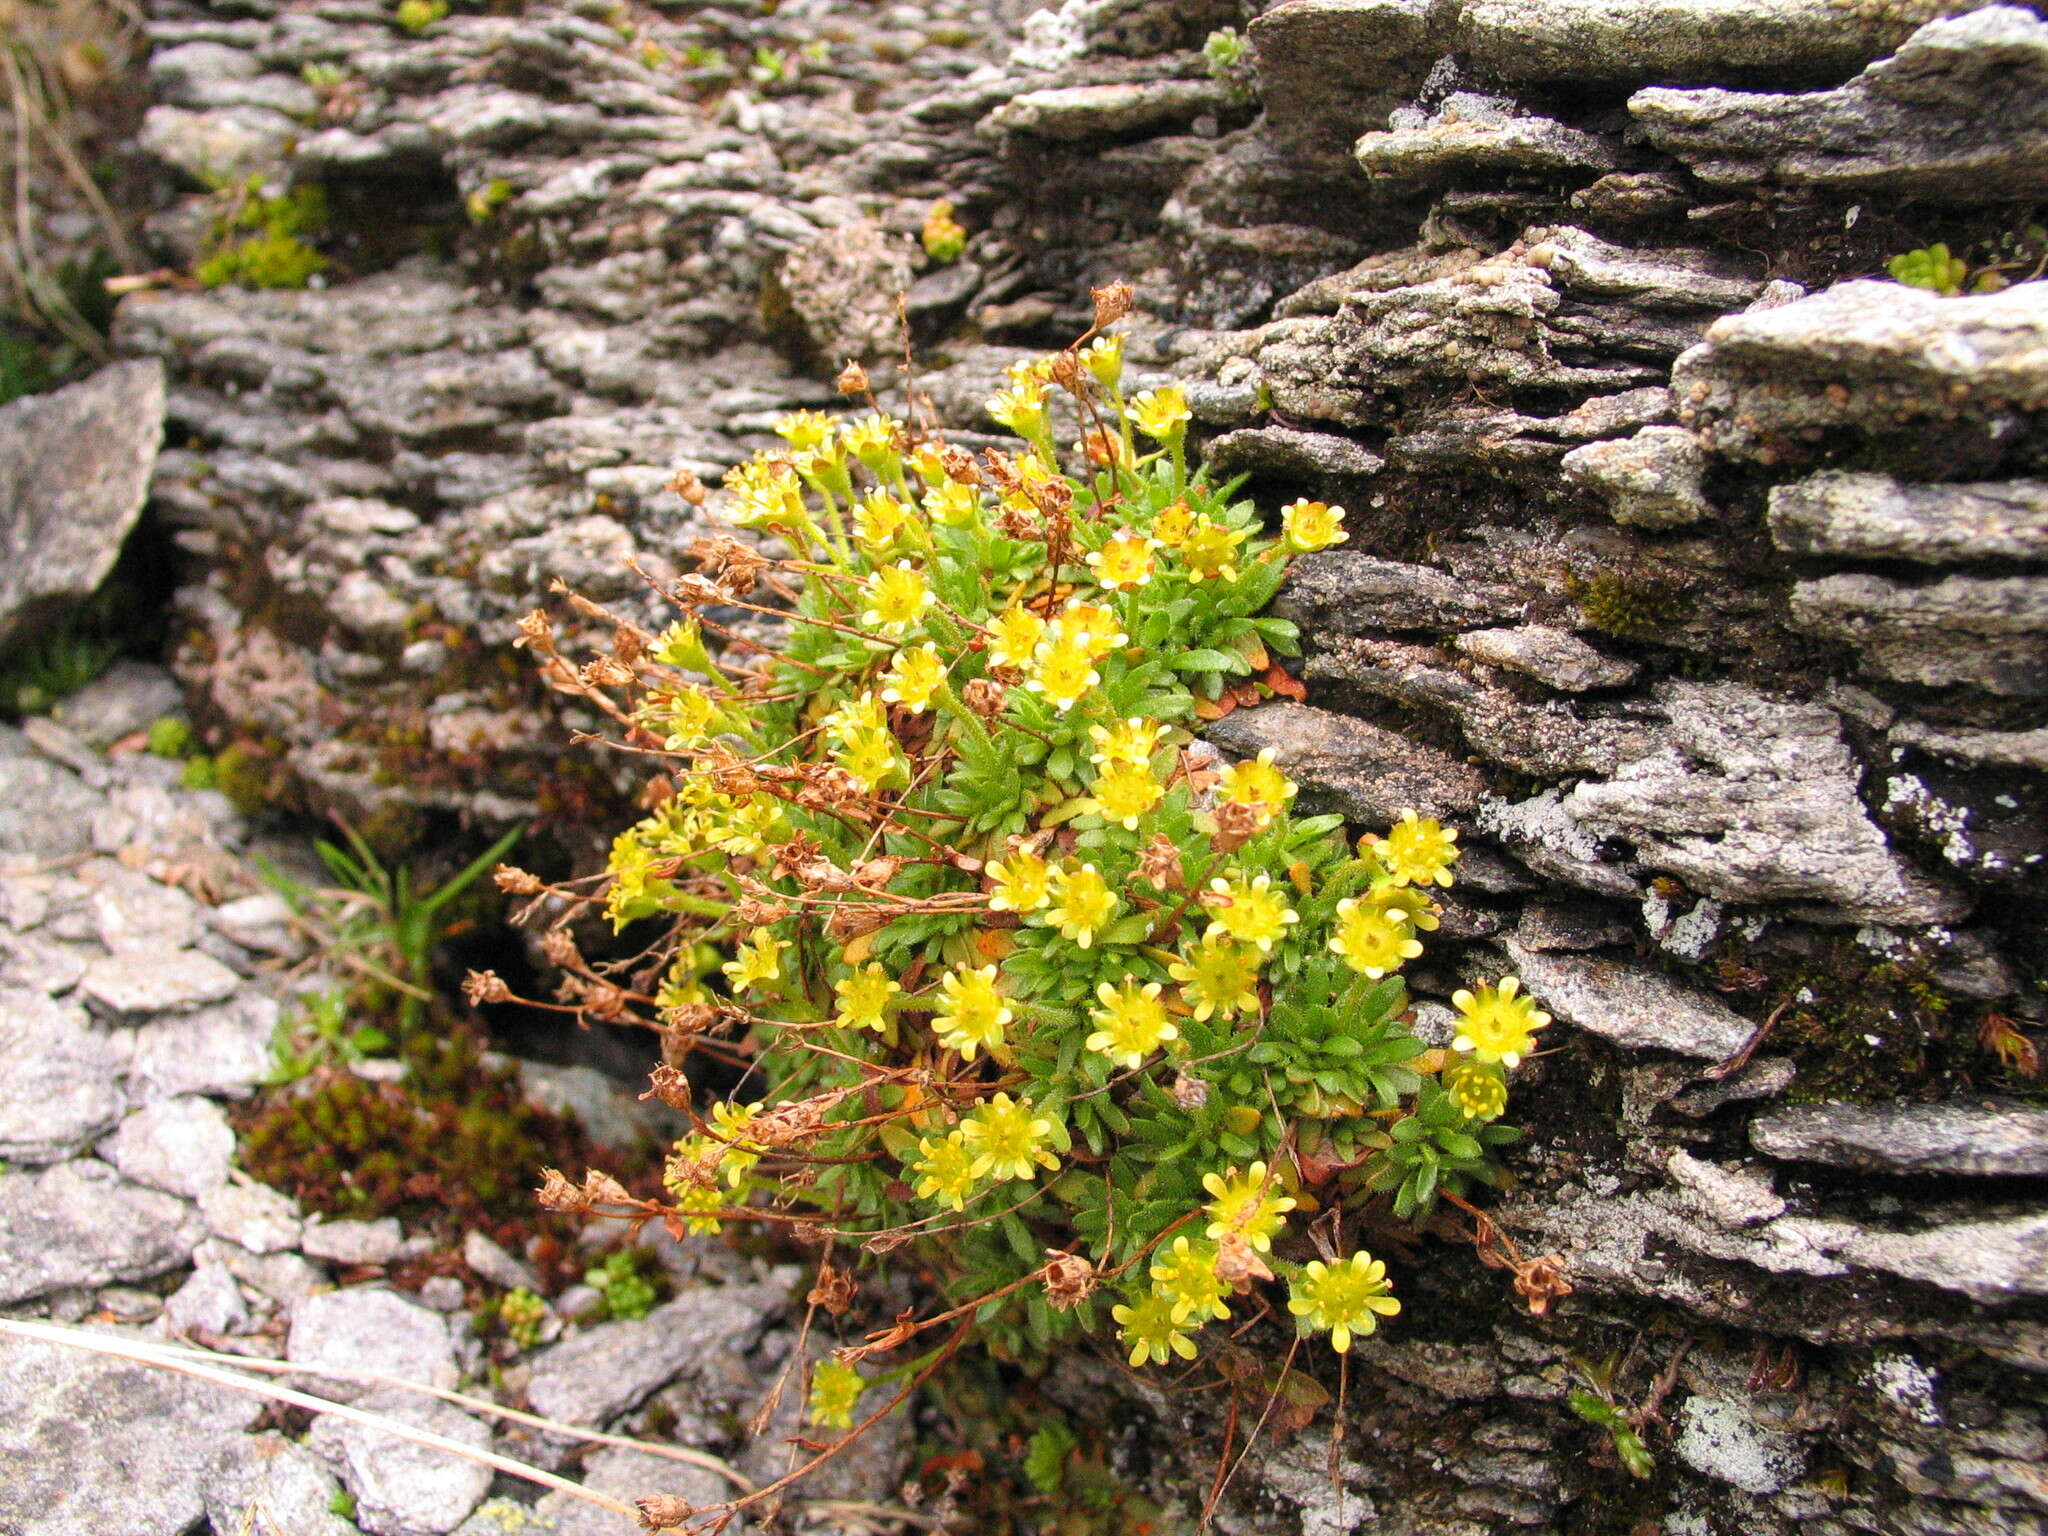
1545,835
599,1374
1763,1077
404,1489
1341,591
1370,774
260,923
131,696
1876,517
1959,1136
490,1262
1991,1261
508,1517
221,147
1330,70
1757,801
1731,1196
209,1302
1547,925
1651,480
59,1078
370,1329
613,1114
1677,41
843,286
265,1483
1076,112
1628,1004
181,1145
45,812
1960,112
74,469
876,1460
1722,1439
1285,450
252,1216
1452,146
39,964
1989,631
284,1278
353,1242
81,1224
1557,658
132,912
223,1050
2014,749
154,978
106,1446
628,1475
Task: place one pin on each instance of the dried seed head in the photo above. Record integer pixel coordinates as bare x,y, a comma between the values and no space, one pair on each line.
628,645
605,673
833,1290
959,465
684,483
985,697
1054,498
558,948
749,913
877,872
853,379
1159,862
556,1193
480,987
517,882
537,631
1112,302
850,922
669,1085
1238,1264
1190,1093
663,1511
1236,825
1069,1279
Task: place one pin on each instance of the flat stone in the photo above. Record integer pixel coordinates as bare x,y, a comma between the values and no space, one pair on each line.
1290,451
74,471
1552,924
1990,1261
93,1444
353,1242
1959,113
260,923
131,912
1369,774
181,1146
1342,591
81,1224
371,1329
628,1474
1721,1438
129,697
2012,749
1075,112
611,1113
600,1373
223,1050
1959,1136
59,1078
253,1216
1876,517
284,1278
266,1483
1330,70
404,1489
1732,1196
1988,631
490,1262
45,812
220,147
1557,658
1449,147
156,979
210,1301
40,964
1628,1004
1651,480
1543,834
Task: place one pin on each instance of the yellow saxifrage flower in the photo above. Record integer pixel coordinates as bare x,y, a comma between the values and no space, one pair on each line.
1124,563
1148,1327
915,675
1083,903
1023,883
1063,672
1417,850
1216,976
1013,638
1021,408
1256,783
1131,1023
690,716
855,718
1105,358
972,1014
1123,794
897,598
1173,525
1346,1299
1250,911
1210,550
870,757
1007,1140
1405,904
739,1152
950,505
698,1205
1477,1089
804,431
1131,741
1185,1275
879,520
1161,414
1312,525
864,998
1250,1203
756,961
1089,625
944,1170
835,1393
1371,940
1497,1025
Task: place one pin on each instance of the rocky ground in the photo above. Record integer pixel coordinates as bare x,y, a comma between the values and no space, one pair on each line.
1696,573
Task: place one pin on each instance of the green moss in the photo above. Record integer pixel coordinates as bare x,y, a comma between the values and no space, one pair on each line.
418,15
245,774
264,239
170,737
1631,607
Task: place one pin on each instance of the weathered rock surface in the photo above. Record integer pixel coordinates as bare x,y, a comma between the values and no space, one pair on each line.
401,1488
80,1223
598,1375
59,1078
179,1145
366,1329
1953,1137
1875,517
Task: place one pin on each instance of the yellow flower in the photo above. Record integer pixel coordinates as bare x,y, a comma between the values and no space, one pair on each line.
972,1014
835,1393
1123,793
697,1206
804,431
1256,783
864,998
1404,903
1007,1140
1371,940
1349,1297
1013,638
1084,903
872,440
1088,625
1497,1025
756,961
1251,911
1150,1330
1124,563
1131,1023
1250,1203
1210,550
1021,408
944,1170
857,717
1063,672
1161,414
1417,850
1023,883
950,504
1104,357
897,598
879,520
915,676
1311,525
1217,977
690,715
1131,741
1185,1276
738,1152
1476,1088
870,757
1173,525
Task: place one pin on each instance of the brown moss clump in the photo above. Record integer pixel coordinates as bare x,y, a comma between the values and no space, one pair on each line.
1632,607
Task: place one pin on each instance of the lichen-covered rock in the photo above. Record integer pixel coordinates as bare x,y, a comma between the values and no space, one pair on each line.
1875,517
1952,1137
80,1223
